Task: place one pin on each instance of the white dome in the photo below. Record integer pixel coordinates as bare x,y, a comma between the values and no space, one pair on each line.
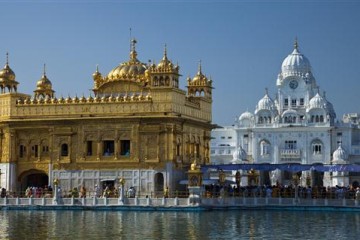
266,103
295,63
339,154
246,115
290,112
317,102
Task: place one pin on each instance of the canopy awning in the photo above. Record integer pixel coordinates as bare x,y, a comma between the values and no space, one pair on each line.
285,167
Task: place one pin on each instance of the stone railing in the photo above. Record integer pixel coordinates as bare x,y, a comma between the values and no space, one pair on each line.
218,202
290,153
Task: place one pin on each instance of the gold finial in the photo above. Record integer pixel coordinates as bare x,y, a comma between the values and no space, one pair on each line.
296,45
122,181
133,53
193,165
133,42
56,182
97,68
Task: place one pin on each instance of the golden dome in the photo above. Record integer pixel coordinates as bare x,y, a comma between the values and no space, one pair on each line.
44,87
7,73
165,63
200,78
96,74
44,83
132,69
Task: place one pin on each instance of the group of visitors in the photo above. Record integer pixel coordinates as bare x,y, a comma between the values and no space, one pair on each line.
112,192
38,192
286,191
75,193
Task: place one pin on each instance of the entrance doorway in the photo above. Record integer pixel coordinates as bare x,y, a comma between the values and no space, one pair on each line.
265,178
159,184
33,178
318,179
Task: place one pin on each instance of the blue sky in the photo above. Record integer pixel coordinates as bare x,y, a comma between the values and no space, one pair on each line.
241,44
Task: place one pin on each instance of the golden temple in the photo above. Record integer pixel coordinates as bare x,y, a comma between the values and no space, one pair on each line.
139,126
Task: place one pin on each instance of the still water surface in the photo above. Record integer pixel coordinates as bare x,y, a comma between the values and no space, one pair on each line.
178,225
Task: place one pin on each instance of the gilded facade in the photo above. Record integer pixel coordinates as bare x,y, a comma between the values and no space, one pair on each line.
138,125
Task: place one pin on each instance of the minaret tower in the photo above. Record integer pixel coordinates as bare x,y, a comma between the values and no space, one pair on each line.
165,74
7,78
44,87
200,85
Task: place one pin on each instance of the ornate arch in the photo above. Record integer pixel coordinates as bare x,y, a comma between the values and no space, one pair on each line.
316,146
265,147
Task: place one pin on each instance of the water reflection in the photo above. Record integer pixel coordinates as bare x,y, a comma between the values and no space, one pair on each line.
178,225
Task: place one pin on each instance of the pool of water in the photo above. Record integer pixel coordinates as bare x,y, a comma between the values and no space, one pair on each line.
178,225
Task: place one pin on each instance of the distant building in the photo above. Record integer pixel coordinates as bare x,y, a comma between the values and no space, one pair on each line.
297,126
138,125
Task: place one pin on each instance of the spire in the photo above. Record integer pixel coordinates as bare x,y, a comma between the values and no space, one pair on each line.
165,53
130,38
44,73
296,45
7,58
266,91
199,69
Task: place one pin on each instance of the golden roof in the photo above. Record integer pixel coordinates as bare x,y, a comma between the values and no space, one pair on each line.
7,73
199,79
44,83
130,70
165,63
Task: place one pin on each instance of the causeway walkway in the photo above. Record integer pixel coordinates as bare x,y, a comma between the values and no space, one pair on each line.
180,204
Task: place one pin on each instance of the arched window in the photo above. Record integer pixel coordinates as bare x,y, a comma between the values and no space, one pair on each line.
321,118
64,150
316,147
264,148
290,119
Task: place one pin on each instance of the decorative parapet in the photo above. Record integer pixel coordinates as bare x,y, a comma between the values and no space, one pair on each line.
135,97
193,102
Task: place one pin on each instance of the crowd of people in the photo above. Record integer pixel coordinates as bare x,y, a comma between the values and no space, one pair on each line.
214,190
287,191
38,192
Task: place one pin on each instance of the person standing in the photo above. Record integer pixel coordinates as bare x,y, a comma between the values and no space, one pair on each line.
357,194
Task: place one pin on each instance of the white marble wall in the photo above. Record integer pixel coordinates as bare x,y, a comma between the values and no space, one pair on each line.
141,179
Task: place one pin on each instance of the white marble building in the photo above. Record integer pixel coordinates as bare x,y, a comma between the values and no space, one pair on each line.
298,126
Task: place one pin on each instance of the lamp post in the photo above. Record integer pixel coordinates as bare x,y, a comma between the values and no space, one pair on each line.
238,178
296,184
56,191
222,177
122,190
